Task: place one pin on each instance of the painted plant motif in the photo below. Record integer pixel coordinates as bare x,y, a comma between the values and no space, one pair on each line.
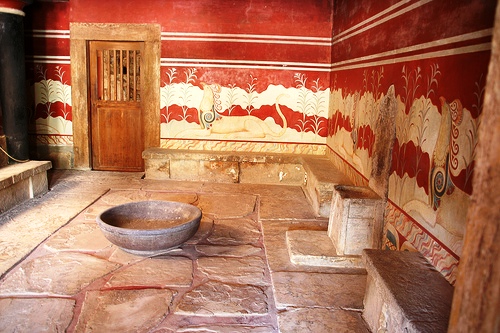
52,100
434,150
311,103
167,94
193,109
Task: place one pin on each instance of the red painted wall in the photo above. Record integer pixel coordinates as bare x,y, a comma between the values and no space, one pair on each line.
235,44
436,55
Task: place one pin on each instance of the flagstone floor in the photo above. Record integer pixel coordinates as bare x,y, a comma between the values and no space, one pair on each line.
59,273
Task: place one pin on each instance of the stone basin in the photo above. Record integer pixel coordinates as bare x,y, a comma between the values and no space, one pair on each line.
149,227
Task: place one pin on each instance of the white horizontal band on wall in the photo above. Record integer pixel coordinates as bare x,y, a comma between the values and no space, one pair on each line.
37,33
245,64
364,25
46,59
397,56
246,38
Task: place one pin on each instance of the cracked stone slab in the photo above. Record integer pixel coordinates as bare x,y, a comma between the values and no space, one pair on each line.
123,310
45,314
315,248
220,299
204,230
320,320
228,251
282,207
26,226
154,272
127,196
118,197
228,205
301,289
247,270
220,329
235,232
63,273
78,237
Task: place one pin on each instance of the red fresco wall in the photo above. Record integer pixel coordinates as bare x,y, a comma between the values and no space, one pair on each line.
436,55
245,48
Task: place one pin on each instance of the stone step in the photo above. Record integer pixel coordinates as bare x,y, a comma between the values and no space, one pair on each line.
315,248
405,293
22,182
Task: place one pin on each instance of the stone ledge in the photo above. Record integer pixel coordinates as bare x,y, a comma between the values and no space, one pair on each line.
405,293
15,173
21,182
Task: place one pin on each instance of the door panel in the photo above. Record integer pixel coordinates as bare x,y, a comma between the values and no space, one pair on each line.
117,139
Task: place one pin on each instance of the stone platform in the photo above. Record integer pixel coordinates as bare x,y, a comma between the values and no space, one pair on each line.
315,173
22,182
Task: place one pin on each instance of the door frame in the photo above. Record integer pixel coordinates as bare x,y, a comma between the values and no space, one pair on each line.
80,35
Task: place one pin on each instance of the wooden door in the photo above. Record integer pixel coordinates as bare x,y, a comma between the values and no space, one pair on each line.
117,139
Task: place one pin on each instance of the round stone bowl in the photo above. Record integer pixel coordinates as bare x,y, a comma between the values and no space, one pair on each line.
149,227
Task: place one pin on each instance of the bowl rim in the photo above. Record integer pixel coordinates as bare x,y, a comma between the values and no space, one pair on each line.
148,232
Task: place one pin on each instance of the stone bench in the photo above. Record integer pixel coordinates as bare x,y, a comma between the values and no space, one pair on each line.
316,174
404,293
22,182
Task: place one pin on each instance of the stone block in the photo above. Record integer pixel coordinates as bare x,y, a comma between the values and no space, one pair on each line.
405,293
315,248
14,195
202,170
39,184
157,168
356,220
321,177
271,173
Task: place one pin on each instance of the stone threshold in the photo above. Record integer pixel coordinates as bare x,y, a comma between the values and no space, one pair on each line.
22,182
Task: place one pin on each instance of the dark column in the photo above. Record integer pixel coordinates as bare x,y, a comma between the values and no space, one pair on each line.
12,78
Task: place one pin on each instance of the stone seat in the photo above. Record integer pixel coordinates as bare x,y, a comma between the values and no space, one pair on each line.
22,182
322,177
404,293
316,174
